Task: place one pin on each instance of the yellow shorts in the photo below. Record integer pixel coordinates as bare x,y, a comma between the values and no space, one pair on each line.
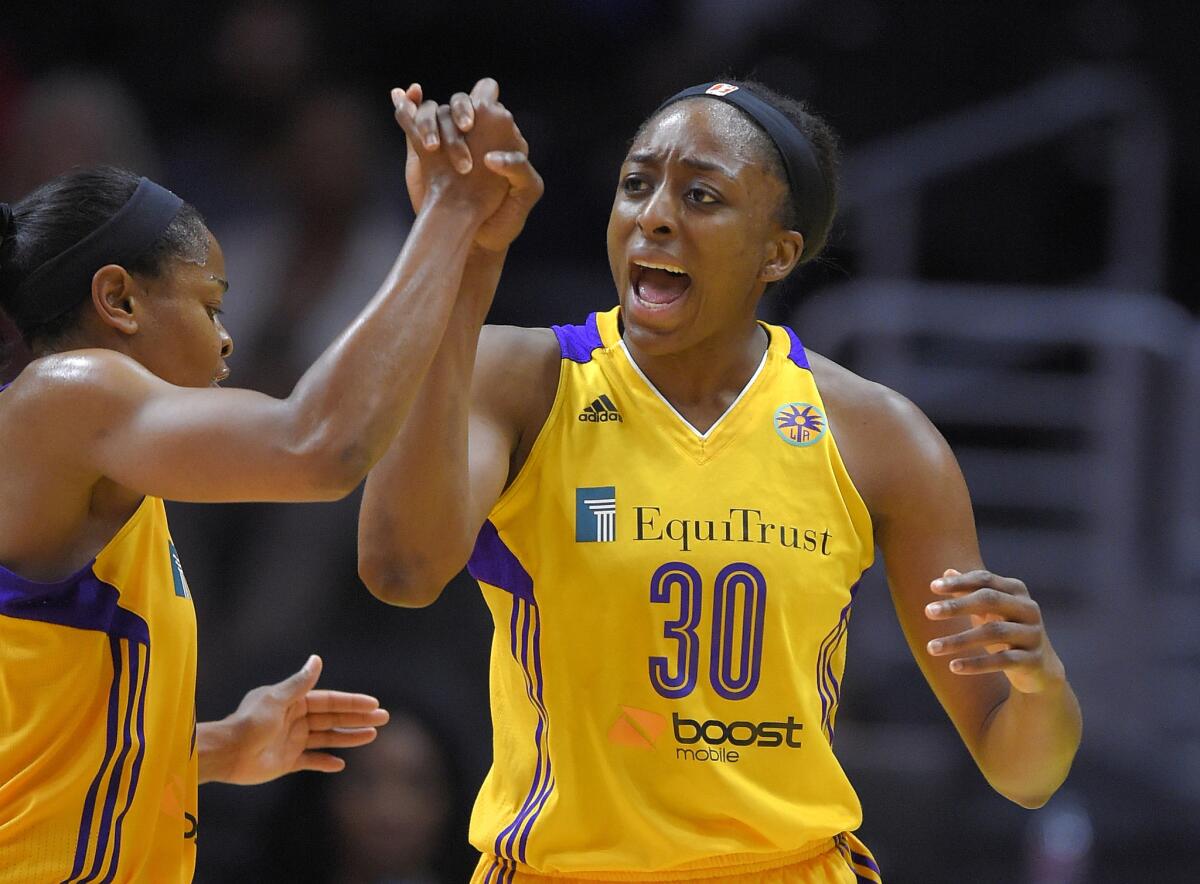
846,861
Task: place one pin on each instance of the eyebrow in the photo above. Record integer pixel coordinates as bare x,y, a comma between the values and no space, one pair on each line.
224,283
646,157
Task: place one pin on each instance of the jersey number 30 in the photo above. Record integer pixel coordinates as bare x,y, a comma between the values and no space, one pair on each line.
739,601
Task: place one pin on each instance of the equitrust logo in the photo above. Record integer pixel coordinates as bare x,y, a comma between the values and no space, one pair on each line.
709,741
596,514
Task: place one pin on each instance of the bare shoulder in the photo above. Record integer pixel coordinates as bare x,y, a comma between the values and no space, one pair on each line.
516,377
886,441
72,389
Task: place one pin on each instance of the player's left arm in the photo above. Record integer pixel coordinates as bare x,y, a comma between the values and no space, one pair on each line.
281,728
978,638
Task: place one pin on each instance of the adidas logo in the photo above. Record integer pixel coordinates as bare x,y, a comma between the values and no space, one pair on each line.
600,411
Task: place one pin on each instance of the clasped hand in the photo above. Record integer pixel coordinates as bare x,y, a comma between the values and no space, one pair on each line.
472,151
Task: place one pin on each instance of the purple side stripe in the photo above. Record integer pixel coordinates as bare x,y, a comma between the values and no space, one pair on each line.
796,353
114,782
531,798
865,861
493,562
543,779
89,802
578,341
548,786
827,683
82,601
144,681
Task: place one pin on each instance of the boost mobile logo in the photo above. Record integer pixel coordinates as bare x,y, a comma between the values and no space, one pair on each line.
717,735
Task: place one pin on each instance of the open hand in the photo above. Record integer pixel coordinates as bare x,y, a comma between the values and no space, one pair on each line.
276,728
1006,635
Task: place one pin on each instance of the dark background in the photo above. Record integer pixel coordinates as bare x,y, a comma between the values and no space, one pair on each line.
274,120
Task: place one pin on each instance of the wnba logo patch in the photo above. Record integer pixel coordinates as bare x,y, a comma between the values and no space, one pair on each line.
800,424
596,514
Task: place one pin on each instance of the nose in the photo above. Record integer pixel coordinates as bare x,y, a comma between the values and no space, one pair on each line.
657,216
226,340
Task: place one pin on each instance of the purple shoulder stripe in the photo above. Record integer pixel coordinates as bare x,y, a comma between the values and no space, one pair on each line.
82,600
796,353
578,341
494,563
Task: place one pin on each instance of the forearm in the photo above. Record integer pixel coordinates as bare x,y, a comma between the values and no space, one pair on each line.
216,746
405,557
356,395
1029,741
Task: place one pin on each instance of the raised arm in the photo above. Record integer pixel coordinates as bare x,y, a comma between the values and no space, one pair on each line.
209,444
454,455
978,638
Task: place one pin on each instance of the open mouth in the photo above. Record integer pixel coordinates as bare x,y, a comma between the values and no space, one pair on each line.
658,285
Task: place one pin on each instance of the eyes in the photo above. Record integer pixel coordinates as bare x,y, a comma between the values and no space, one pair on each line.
214,312
637,184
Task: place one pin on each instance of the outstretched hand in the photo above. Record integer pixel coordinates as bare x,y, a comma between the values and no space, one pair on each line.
279,729
442,130
1006,635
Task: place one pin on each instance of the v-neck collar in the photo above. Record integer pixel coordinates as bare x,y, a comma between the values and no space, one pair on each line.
707,434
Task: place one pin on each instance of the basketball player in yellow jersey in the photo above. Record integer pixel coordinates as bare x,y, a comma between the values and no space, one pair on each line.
668,507
117,286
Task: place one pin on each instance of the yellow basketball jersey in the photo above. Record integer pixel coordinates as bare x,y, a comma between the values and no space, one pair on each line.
97,716
671,611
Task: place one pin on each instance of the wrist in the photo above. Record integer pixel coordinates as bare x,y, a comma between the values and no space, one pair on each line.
216,749
452,203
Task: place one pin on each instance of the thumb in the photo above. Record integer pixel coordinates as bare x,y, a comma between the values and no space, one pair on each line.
303,681
513,165
950,572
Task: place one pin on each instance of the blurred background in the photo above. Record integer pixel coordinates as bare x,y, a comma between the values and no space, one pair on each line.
1014,253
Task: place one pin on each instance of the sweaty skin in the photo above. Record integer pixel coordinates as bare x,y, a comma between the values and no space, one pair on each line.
690,198
129,406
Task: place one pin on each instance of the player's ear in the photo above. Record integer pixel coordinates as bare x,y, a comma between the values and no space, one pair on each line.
114,292
782,255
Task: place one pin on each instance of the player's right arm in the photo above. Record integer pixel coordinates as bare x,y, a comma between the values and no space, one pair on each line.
426,499
96,414
482,400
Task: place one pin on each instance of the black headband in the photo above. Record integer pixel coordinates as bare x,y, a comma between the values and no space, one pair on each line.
62,281
807,183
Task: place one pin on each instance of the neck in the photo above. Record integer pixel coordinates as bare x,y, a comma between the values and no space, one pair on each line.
704,380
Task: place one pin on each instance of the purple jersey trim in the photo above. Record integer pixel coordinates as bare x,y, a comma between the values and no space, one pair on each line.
136,770
865,861
827,684
578,341
82,601
89,802
796,353
493,562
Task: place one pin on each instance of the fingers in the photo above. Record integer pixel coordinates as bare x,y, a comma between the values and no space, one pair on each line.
426,124
1001,661
341,701
954,583
452,140
405,103
485,90
997,632
463,111
985,602
347,738
319,761
325,721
